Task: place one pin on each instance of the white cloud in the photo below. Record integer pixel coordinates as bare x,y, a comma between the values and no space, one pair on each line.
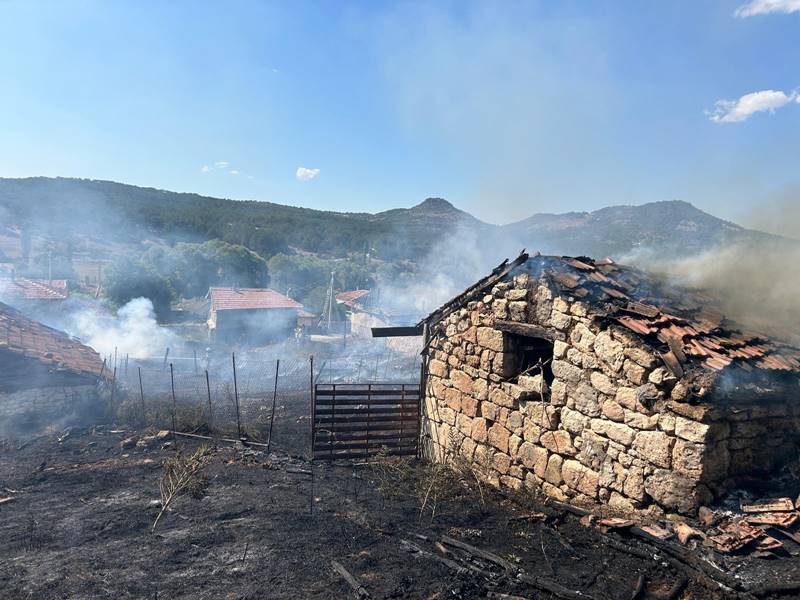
233,172
221,164
306,174
763,7
733,111
205,169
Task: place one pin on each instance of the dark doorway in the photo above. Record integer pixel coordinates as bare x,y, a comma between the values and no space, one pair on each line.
533,354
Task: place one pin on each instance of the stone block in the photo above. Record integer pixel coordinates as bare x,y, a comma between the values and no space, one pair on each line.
558,441
516,294
517,310
573,421
461,381
491,339
489,410
479,429
498,437
566,371
580,478
437,367
603,383
639,421
627,397
688,457
514,442
641,357
582,338
447,415
675,491
480,389
469,406
609,350
655,447
559,320
634,484
585,398
690,430
552,472
558,393
619,502
501,462
500,398
560,349
634,373
500,308
533,457
618,432
452,398
612,410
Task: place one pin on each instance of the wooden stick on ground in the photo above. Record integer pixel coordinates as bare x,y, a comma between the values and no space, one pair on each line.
360,591
538,582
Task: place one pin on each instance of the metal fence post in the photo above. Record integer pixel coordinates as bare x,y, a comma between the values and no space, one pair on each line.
236,397
210,409
274,400
141,397
172,383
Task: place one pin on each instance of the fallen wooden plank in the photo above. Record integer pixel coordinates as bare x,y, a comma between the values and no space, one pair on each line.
774,505
359,590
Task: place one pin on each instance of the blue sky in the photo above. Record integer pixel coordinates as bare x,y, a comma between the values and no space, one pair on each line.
504,108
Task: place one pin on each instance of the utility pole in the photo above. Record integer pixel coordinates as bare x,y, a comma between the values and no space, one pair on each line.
330,302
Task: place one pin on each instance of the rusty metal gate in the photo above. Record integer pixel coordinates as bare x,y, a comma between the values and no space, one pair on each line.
357,420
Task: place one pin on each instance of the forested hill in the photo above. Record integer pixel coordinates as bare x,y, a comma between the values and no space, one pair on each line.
118,213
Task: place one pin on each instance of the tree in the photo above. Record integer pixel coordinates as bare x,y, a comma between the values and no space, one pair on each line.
127,279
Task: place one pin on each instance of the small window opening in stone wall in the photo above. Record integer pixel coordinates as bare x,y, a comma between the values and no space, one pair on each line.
534,355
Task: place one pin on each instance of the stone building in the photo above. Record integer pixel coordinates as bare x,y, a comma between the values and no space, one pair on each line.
596,382
46,377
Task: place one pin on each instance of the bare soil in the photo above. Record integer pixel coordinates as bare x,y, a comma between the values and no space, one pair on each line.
79,526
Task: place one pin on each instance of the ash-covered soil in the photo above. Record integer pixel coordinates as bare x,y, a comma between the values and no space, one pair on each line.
79,526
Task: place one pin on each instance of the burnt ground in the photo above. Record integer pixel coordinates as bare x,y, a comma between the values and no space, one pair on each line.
79,527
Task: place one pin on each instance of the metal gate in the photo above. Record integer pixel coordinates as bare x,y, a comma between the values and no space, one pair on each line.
357,420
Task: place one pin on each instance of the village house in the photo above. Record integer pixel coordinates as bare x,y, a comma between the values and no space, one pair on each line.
45,375
29,291
251,316
593,382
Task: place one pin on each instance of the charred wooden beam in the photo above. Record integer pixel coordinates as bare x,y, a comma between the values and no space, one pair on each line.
528,330
413,330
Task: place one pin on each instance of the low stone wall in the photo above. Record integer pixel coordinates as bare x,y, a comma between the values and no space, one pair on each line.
26,410
614,426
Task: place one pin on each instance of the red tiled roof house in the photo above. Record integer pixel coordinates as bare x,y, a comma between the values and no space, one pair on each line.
595,382
251,316
45,375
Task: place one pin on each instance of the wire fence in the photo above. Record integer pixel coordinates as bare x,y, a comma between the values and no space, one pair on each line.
246,396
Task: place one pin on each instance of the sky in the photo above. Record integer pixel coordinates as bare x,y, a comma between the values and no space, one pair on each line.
504,108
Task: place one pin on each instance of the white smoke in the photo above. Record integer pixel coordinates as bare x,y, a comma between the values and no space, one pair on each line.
134,331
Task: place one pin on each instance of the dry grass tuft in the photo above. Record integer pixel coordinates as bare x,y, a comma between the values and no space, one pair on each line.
183,475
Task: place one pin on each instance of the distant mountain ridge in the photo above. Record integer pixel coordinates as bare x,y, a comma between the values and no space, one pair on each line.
117,212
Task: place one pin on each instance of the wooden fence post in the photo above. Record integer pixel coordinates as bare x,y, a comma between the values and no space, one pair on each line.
141,397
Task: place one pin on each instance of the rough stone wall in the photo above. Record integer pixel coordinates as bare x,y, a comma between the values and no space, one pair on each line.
613,427
31,408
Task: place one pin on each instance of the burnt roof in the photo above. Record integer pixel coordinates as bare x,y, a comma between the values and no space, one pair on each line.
686,324
58,352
